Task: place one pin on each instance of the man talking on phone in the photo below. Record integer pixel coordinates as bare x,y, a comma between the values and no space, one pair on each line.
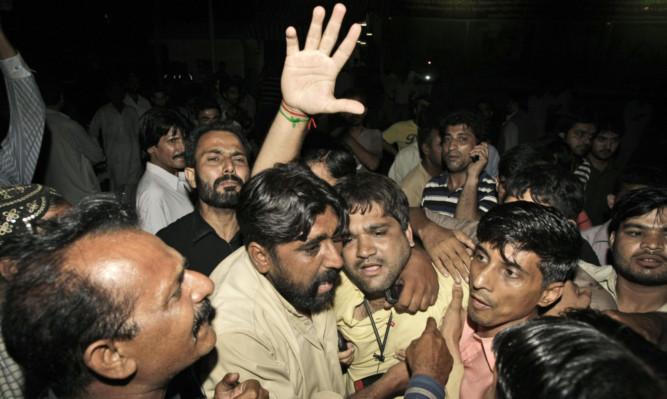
463,190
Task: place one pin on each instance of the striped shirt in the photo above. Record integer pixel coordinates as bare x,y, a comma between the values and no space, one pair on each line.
583,171
20,148
438,198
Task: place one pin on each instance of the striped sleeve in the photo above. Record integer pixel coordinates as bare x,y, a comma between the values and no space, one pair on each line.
487,197
424,387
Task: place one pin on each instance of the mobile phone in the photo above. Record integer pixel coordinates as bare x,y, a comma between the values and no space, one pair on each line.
475,158
393,292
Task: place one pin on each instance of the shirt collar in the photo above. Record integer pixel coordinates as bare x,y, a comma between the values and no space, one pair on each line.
173,181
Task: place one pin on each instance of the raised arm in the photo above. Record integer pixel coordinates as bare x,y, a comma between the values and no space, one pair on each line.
20,148
307,84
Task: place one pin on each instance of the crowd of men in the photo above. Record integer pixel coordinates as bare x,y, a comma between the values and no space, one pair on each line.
299,273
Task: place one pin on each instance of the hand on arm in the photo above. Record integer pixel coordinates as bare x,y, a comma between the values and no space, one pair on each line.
449,249
467,205
307,83
230,388
420,284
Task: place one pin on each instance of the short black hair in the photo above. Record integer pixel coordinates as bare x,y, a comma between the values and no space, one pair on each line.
637,203
338,159
203,103
472,120
640,175
535,228
559,358
51,313
567,121
197,133
519,157
157,122
549,185
279,205
363,189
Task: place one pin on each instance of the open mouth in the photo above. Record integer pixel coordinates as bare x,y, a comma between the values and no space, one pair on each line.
650,261
371,269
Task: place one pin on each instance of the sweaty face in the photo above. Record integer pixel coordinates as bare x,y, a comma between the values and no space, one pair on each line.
457,143
208,116
169,152
375,251
222,168
503,292
305,273
171,309
579,138
639,248
605,145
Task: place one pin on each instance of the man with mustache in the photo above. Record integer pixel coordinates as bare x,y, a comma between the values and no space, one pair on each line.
604,171
463,190
577,130
217,166
637,279
162,194
101,309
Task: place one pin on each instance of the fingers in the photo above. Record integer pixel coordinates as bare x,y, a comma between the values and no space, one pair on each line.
464,239
292,41
331,32
315,30
346,48
431,326
230,380
457,298
345,105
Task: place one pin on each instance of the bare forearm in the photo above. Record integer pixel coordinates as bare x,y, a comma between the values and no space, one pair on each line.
282,143
6,48
466,208
367,158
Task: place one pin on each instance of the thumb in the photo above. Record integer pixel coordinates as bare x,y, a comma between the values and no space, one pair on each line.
229,380
430,325
457,298
346,105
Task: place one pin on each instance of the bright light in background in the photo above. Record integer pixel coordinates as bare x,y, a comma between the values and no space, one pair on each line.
429,62
369,34
361,43
363,24
427,77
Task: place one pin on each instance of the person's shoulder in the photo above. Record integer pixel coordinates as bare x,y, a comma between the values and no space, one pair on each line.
178,228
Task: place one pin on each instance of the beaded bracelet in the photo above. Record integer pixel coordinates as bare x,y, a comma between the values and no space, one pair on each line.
297,117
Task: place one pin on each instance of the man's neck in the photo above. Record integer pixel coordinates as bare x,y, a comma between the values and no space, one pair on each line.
104,391
598,164
456,180
170,170
432,170
376,303
634,298
490,332
223,220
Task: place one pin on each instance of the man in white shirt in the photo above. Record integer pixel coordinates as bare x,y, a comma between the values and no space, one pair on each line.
133,98
162,195
72,152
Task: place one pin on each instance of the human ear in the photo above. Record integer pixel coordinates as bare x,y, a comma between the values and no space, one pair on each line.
561,135
260,257
104,358
612,238
611,198
408,234
190,177
551,294
7,269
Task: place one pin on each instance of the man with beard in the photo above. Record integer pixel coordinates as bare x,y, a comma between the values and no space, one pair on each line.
463,190
274,295
604,171
375,252
577,130
637,279
217,166
98,308
162,194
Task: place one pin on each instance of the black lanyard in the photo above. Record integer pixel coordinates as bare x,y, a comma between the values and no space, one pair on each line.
381,344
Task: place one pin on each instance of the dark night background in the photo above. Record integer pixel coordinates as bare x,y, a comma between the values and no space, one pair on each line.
603,50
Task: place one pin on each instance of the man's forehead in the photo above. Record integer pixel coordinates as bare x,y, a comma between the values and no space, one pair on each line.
174,132
220,139
655,219
588,127
526,259
460,129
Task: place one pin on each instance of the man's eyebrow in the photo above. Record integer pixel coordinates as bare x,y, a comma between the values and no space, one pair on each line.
375,226
480,248
313,241
176,285
642,226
